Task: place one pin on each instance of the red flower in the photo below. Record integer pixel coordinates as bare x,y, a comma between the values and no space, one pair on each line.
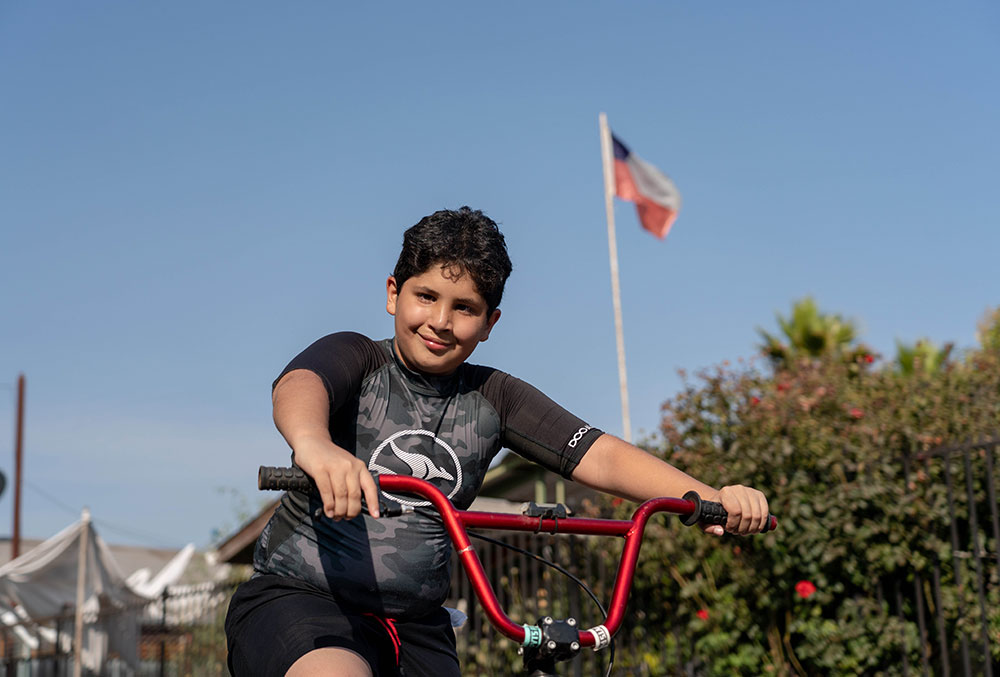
616,502
754,400
856,413
869,358
805,589
702,614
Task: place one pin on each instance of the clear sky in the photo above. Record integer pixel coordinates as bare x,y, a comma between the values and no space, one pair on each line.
190,193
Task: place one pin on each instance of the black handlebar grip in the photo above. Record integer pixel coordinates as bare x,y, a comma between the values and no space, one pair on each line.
282,479
294,479
706,512
710,512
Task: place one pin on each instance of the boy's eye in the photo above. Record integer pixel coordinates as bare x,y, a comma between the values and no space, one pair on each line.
424,297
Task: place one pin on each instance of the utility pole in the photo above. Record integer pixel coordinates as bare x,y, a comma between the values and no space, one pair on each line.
15,543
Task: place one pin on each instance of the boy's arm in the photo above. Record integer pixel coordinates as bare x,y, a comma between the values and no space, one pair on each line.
616,467
302,415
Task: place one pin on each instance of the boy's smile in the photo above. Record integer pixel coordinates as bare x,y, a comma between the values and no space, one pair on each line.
440,319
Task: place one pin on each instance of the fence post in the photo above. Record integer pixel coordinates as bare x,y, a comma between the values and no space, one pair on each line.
9,653
59,624
978,554
955,556
163,635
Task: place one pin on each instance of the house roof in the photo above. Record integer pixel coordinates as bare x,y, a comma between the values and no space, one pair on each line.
238,547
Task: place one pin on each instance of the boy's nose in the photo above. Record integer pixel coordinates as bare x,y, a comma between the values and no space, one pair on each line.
440,319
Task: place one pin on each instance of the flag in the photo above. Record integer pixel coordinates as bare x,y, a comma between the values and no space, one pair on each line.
655,196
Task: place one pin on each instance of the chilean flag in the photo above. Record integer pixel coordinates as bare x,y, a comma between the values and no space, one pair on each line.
655,196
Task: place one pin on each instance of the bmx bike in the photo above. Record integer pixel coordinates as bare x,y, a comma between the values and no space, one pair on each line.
548,641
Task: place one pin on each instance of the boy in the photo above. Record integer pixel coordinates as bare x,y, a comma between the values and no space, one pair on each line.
340,592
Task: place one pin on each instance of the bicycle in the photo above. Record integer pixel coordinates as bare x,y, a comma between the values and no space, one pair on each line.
550,640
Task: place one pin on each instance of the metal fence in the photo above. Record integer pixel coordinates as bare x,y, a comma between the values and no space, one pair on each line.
955,600
528,590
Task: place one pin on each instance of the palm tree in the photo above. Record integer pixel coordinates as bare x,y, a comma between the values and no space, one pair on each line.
989,330
807,332
921,357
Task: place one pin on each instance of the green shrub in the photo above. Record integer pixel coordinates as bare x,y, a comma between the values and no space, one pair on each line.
847,456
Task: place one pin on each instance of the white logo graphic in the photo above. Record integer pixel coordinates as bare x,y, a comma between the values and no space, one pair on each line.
420,464
578,436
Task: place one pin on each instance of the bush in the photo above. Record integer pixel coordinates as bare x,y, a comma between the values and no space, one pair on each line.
851,459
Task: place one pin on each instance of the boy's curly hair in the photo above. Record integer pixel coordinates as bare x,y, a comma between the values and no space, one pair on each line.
464,238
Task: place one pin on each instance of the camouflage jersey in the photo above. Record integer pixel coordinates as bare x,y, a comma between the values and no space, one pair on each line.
445,430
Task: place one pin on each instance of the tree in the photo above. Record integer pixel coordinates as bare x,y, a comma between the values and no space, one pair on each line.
923,356
988,334
809,333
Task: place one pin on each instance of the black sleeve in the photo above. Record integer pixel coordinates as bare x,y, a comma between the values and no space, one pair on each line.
533,425
342,361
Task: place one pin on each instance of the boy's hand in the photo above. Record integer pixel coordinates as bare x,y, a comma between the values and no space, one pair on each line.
341,477
747,510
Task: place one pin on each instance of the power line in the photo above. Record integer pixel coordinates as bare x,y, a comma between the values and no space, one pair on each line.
52,499
149,539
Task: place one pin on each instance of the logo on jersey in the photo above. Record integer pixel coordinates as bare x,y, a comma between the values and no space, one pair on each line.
579,436
439,462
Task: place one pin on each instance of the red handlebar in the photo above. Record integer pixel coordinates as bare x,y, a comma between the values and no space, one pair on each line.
455,521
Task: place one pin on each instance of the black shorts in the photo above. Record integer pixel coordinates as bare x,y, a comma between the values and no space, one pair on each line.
273,621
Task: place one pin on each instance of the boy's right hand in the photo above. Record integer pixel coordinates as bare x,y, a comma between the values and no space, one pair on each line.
341,478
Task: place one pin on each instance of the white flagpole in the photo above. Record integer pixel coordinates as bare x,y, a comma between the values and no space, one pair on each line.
609,208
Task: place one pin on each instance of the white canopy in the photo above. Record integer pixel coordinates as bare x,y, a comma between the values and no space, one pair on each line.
42,584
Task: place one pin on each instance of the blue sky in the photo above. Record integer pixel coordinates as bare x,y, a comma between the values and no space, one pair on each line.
190,193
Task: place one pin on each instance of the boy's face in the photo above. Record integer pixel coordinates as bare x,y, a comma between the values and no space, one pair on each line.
440,319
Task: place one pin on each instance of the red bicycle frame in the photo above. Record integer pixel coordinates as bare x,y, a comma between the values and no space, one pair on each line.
456,521
691,507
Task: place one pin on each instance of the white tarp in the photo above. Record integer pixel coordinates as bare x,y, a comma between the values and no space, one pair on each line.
42,584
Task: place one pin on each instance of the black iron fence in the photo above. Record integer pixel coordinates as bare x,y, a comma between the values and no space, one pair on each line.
528,590
954,599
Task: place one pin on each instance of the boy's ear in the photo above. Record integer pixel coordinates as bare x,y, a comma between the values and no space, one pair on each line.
490,322
391,293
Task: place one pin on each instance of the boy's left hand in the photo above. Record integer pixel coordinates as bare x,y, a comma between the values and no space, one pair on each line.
747,510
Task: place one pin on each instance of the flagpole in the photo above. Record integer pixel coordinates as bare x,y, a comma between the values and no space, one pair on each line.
609,209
